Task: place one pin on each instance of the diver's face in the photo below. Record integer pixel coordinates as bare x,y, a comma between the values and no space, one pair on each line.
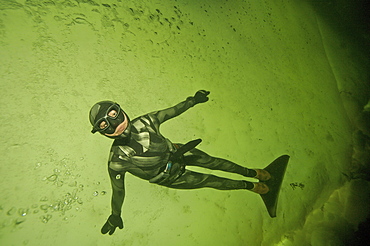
119,129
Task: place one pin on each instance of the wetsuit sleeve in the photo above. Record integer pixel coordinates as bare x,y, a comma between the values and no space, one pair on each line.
166,114
118,187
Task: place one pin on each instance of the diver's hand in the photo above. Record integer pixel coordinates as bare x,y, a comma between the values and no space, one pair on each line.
112,223
201,96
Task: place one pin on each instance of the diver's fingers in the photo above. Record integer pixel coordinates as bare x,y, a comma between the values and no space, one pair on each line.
206,93
112,230
105,228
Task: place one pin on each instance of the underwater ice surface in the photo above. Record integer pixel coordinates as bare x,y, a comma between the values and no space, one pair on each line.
282,81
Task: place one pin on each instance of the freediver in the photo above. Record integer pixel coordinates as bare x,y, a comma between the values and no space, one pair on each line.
140,149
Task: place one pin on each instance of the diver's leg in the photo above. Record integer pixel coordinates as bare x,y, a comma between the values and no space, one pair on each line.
196,157
195,180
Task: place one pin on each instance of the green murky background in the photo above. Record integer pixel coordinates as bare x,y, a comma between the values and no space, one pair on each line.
285,78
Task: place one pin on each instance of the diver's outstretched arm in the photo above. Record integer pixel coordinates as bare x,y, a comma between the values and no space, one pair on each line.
118,196
166,114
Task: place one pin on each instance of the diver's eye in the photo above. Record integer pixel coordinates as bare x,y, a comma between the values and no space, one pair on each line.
113,113
103,125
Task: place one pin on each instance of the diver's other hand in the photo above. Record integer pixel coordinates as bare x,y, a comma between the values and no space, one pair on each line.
201,96
112,223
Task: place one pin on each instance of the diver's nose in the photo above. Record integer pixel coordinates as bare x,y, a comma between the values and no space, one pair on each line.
115,123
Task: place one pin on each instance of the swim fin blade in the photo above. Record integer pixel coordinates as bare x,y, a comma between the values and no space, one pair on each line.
277,170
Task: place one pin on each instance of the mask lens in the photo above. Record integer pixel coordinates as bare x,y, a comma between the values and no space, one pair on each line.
101,125
113,114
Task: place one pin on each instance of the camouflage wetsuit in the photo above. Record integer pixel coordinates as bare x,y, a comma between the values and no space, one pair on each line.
145,153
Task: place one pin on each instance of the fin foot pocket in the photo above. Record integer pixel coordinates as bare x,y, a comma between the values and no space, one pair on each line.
262,175
260,188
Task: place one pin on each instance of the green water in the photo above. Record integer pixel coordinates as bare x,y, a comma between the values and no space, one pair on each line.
283,80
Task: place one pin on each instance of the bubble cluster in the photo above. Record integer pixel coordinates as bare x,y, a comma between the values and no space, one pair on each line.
65,198
63,174
12,212
45,219
62,205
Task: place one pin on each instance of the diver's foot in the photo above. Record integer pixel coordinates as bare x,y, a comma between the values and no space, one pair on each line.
260,188
262,175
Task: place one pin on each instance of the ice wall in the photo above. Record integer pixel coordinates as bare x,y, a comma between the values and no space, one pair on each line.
282,81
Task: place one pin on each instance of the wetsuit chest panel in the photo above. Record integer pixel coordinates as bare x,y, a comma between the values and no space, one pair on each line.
147,134
146,151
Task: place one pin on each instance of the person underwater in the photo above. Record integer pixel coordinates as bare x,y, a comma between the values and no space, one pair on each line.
140,149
